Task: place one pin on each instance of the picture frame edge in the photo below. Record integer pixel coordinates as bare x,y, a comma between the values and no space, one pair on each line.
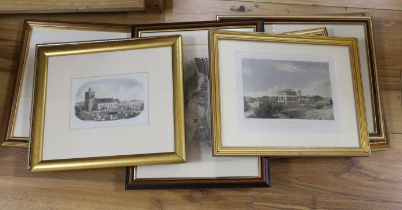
9,139
200,183
194,25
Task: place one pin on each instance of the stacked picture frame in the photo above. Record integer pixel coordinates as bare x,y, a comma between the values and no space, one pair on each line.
36,32
360,27
201,168
222,98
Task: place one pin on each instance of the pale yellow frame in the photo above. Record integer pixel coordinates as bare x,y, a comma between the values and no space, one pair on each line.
44,52
351,43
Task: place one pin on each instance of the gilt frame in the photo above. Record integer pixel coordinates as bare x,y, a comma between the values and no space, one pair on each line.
219,150
44,52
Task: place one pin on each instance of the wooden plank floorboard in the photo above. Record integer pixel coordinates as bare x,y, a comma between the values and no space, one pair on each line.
337,183
361,4
53,6
392,106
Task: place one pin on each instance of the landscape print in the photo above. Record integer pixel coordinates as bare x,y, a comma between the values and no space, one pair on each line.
286,89
113,99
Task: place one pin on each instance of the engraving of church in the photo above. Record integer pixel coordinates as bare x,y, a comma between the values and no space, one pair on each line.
101,109
109,101
92,103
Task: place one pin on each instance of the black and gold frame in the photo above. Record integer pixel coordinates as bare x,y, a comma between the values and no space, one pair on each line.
201,168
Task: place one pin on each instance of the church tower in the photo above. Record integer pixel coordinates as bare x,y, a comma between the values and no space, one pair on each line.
89,99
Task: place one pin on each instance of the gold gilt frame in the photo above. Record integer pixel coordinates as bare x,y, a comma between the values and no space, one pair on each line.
29,26
379,139
322,31
44,52
351,43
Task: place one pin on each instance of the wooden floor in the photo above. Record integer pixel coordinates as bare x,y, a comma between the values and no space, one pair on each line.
297,183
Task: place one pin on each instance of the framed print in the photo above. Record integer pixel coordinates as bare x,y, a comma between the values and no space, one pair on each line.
19,122
282,95
201,166
98,104
152,178
359,27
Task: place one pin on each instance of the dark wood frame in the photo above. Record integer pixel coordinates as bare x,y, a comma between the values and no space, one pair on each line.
262,181
378,140
235,182
10,140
